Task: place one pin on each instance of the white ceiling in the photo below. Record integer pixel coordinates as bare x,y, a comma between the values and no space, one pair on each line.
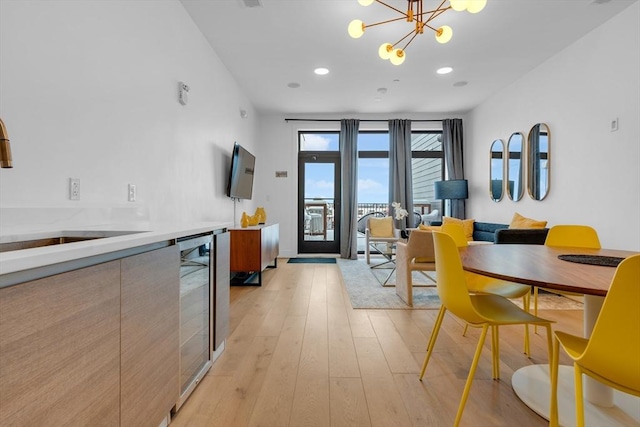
281,42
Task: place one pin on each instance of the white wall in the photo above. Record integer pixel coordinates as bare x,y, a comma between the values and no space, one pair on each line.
89,90
595,173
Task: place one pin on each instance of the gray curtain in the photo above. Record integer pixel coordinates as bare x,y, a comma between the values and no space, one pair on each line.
400,178
452,145
349,188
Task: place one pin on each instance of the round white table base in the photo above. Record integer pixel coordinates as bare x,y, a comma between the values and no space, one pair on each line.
532,385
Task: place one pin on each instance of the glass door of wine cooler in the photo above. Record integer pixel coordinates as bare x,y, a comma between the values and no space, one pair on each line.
195,311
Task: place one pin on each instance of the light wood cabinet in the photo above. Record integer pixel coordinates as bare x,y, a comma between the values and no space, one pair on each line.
149,337
253,249
60,349
96,346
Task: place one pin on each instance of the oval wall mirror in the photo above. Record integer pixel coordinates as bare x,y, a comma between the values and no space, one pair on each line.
538,153
496,170
515,166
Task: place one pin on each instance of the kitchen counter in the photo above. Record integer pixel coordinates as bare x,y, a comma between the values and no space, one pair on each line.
15,265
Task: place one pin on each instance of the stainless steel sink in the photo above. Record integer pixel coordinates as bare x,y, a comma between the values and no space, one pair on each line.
62,238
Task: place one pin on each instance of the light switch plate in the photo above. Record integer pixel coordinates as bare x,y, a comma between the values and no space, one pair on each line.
74,188
132,193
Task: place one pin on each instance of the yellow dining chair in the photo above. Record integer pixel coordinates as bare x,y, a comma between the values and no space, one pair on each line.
612,354
575,236
478,283
479,310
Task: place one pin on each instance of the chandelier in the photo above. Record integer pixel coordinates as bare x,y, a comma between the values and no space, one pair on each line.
422,18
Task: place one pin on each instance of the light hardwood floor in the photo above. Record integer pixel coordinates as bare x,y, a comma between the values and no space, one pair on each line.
299,355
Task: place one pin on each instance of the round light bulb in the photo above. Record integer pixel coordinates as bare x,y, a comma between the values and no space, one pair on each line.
475,6
397,56
444,34
458,5
365,2
385,50
356,28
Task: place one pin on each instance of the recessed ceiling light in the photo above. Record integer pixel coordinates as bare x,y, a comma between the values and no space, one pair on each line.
444,70
460,84
294,85
382,90
321,71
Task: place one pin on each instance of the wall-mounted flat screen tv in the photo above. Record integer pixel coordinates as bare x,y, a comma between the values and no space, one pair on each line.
240,184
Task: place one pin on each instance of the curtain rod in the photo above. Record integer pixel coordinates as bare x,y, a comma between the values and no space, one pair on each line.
363,120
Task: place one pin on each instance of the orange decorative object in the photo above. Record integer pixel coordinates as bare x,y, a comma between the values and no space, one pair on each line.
261,214
253,220
244,222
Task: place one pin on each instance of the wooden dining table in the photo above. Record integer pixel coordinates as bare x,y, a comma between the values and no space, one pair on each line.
540,265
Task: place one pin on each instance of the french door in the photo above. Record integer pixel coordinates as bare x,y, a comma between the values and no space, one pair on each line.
319,202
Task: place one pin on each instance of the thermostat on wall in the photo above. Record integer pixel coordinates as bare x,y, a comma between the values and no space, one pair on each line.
183,93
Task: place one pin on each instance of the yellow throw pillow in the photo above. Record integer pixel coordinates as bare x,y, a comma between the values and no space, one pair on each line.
466,224
381,227
429,227
518,221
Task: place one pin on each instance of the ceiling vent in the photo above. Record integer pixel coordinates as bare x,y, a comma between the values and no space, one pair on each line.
251,3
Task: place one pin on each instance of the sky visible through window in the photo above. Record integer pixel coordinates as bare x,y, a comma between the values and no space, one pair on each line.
373,174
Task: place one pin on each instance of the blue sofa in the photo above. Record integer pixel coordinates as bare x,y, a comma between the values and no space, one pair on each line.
501,233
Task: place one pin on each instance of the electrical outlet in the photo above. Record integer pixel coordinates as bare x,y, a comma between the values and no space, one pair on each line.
132,193
74,188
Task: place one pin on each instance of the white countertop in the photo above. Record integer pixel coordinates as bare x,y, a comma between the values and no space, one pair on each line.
146,233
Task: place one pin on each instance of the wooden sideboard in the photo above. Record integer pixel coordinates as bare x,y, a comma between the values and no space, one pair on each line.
253,249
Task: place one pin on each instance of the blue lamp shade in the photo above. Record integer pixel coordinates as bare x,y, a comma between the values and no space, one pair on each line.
496,189
453,189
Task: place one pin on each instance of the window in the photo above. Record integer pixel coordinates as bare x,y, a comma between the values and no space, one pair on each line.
373,170
427,167
319,141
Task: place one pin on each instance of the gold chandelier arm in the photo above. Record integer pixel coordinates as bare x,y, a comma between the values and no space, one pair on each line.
409,42
383,22
430,27
438,9
404,15
435,13
407,35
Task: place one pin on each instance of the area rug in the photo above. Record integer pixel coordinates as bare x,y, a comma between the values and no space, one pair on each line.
311,260
365,291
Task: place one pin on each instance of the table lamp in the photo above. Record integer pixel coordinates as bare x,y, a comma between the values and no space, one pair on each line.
451,190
